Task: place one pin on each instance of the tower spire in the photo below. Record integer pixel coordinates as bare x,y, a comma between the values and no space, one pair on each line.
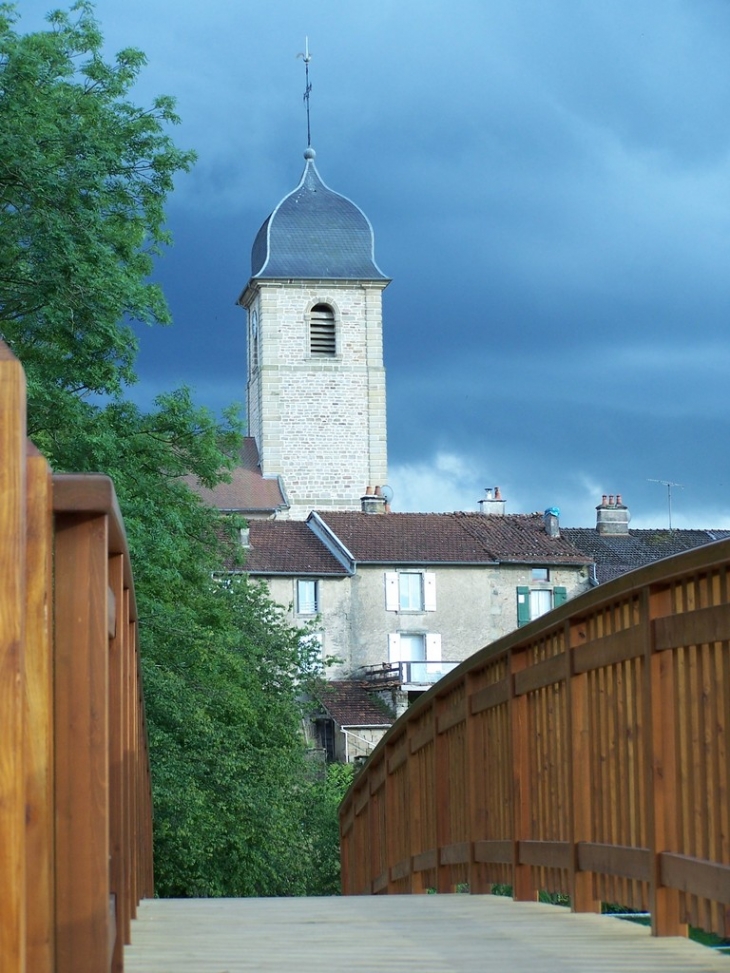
307,57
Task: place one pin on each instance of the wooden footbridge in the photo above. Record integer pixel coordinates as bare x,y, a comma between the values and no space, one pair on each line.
586,755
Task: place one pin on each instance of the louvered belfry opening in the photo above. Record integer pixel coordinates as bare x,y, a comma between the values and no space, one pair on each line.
322,330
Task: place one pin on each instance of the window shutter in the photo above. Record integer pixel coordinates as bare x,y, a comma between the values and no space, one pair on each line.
433,648
429,591
560,596
523,605
394,647
391,591
322,330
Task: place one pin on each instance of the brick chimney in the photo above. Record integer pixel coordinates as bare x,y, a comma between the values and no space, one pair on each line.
492,504
612,516
373,502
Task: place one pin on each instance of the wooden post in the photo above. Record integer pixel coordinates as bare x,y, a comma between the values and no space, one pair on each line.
117,789
12,664
580,784
442,797
662,792
40,906
476,767
416,798
82,743
523,887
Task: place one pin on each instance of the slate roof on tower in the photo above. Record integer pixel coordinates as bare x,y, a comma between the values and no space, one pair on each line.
315,234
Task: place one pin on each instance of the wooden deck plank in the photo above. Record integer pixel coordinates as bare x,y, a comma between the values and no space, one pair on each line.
395,934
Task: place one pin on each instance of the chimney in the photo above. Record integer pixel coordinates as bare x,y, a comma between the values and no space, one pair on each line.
612,516
373,502
492,505
551,518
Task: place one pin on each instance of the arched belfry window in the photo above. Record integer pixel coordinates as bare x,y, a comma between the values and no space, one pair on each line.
322,331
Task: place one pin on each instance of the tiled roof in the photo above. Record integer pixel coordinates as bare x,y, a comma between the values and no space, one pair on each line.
314,233
248,492
453,538
349,704
615,554
288,547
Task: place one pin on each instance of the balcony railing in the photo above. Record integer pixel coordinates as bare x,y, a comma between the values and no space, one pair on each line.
404,674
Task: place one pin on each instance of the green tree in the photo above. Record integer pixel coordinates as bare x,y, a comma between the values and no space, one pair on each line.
84,174
322,828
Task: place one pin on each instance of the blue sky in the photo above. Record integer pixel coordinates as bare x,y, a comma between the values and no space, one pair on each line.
549,184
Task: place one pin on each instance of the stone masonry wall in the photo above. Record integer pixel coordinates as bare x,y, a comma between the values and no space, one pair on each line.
320,422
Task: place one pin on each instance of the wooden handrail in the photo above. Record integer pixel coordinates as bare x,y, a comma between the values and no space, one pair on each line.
75,794
587,754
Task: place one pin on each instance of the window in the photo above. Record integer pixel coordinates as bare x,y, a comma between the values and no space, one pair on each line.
307,597
534,602
410,591
419,656
322,331
540,574
254,341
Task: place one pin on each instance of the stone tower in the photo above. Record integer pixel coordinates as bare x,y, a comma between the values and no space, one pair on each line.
316,381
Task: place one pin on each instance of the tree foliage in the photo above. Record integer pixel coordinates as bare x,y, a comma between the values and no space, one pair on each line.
84,175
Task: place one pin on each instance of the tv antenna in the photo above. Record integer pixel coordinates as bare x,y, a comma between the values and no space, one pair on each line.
307,57
668,484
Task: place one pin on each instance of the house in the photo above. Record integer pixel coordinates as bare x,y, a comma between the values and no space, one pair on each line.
401,598
615,549
351,720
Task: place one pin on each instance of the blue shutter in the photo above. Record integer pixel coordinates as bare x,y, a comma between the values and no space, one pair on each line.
560,596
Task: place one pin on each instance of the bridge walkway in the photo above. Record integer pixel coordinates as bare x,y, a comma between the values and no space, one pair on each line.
396,934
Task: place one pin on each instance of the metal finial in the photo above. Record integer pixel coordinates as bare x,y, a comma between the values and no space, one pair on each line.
307,57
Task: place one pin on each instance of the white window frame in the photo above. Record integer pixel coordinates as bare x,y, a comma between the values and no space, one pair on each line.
394,591
306,601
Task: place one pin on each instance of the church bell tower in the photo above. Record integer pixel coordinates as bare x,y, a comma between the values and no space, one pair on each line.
316,381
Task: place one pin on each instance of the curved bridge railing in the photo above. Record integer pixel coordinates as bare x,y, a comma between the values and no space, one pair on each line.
75,797
586,754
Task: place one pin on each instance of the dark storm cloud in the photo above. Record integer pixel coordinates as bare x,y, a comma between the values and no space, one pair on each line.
549,187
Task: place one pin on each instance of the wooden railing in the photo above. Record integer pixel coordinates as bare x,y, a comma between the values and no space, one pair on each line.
586,754
75,799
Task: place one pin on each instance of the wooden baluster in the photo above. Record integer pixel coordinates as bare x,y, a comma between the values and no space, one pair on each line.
12,664
40,907
82,743
475,767
662,792
580,784
415,805
523,886
118,877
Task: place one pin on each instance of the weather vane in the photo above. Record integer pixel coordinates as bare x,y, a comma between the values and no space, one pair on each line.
307,57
